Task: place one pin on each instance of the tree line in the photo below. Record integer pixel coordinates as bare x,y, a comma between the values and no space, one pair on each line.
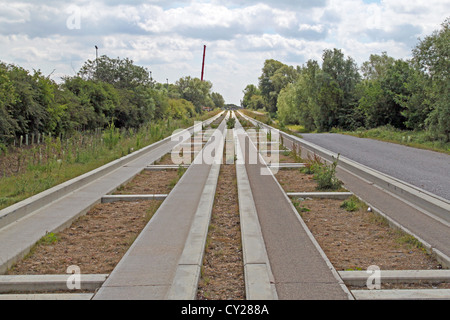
405,94
104,92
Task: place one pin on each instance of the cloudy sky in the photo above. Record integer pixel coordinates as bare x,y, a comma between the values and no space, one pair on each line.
168,36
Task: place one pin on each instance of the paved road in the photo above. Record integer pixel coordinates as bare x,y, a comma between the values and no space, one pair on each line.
422,168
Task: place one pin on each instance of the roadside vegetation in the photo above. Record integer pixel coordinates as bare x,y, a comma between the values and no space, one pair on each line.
51,133
385,98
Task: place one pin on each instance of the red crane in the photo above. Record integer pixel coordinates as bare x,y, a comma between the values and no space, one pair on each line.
203,64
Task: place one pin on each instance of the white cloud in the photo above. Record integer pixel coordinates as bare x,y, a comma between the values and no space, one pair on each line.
168,36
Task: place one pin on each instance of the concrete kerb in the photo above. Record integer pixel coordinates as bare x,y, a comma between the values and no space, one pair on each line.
48,296
405,294
320,195
48,283
133,197
259,280
185,282
39,201
359,278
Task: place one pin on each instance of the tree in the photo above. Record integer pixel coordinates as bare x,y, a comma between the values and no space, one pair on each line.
377,66
218,100
252,98
343,78
8,97
98,100
121,73
275,76
432,56
196,91
287,105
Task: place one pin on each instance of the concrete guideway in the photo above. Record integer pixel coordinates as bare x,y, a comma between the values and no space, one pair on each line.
164,261
23,224
185,282
259,281
299,267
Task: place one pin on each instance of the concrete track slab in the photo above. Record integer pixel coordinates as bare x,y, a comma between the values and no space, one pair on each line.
298,267
147,270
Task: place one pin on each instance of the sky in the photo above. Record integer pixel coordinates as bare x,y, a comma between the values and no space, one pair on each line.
167,37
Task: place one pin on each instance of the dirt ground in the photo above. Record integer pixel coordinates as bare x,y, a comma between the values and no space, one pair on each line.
149,182
292,180
95,242
222,272
357,240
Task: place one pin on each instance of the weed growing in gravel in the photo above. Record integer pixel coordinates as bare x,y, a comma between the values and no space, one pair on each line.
49,238
296,153
326,176
408,239
311,164
230,123
300,209
353,204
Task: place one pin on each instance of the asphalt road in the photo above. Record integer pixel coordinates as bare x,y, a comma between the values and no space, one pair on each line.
425,169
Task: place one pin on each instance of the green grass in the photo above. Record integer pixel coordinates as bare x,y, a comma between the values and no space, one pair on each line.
353,204
48,239
415,139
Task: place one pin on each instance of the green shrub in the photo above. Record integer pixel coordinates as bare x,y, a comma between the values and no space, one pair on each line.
325,175
353,204
311,164
230,123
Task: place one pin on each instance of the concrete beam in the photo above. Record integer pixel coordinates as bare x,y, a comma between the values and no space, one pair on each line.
47,296
187,274
359,278
404,294
165,167
321,195
132,197
287,165
42,283
259,280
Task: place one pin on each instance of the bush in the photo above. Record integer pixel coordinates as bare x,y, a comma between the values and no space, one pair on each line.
326,176
230,123
311,164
